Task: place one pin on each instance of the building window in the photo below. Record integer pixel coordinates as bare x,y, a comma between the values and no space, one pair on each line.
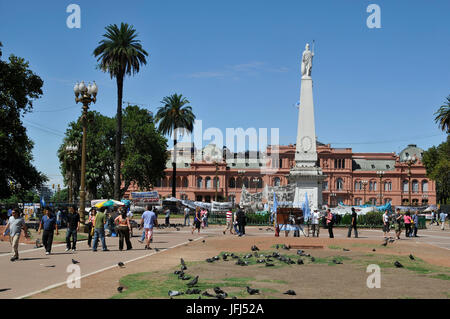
199,182
387,200
245,181
387,186
415,202
358,201
281,163
199,198
405,186
325,186
357,185
185,182
339,184
424,202
276,181
424,186
415,186
208,199
373,201
232,183
372,186
208,182
239,182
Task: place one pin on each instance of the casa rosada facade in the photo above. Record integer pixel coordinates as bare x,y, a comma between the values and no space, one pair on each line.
351,178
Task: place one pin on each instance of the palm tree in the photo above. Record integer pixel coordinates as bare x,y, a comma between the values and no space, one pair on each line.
175,117
119,54
443,116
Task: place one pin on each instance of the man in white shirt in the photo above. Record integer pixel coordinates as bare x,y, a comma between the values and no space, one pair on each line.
315,222
186,216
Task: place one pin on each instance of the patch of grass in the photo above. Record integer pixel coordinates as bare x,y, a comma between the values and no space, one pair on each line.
334,247
441,276
238,279
376,246
274,281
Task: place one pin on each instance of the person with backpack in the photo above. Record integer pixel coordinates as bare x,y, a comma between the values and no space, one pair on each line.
330,222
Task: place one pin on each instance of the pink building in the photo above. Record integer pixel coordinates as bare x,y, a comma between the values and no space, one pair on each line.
352,178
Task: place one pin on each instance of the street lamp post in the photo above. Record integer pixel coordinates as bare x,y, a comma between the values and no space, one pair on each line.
380,175
410,161
215,179
364,184
71,151
85,95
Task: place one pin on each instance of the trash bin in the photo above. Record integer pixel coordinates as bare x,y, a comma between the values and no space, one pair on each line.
422,223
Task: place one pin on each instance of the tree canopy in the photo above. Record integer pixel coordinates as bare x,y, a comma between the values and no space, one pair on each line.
19,86
144,153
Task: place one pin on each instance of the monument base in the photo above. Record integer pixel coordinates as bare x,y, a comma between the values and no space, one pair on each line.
308,180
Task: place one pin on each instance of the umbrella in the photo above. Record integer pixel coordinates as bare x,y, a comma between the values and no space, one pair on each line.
109,203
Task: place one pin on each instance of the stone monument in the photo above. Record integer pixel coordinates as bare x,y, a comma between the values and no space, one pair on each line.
306,174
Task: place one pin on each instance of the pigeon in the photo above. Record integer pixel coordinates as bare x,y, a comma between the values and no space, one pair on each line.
269,265
248,256
291,261
411,257
300,261
287,247
4,289
289,292
75,261
217,290
209,260
337,262
391,240
398,265
193,282
121,264
177,272
119,289
156,249
260,261
178,229
385,243
175,293
182,262
277,246
221,296
207,294
313,259
224,257
51,266
252,291
240,262
186,277
190,239
183,268
194,291
38,243
216,258
254,248
180,275
374,249
234,297
268,259
203,241
300,252
260,228
345,249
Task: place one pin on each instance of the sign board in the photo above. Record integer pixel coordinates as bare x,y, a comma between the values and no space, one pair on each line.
221,207
145,197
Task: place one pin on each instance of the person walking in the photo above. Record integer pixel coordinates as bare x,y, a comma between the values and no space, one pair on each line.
330,222
48,223
386,226
202,217
241,220
99,230
353,224
91,224
229,222
168,217
205,218
398,217
58,217
73,225
407,221
124,229
315,223
443,216
15,225
197,221
414,224
186,216
148,221
130,217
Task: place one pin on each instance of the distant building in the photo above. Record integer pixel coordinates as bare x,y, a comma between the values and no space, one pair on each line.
352,178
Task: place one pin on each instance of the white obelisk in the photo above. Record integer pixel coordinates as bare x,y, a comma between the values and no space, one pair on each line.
306,174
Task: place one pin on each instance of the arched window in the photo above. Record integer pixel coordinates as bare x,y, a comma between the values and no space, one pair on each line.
185,182
424,186
405,186
358,201
339,184
239,182
405,201
387,186
387,200
232,182
373,201
415,186
199,182
276,181
245,181
357,185
415,202
372,186
208,182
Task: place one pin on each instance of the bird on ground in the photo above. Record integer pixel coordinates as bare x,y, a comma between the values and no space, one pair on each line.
252,291
234,297
300,252
385,243
268,259
391,240
216,258
178,229
156,249
207,294
221,296
38,244
203,241
177,272
240,262
173,293
398,265
209,260
374,249
337,262
193,282
75,261
313,259
254,248
194,291
183,268
248,256
345,249
120,289
289,292
190,239
182,262
181,275
260,261
291,261
186,277
269,265
217,290
277,246
4,289
300,261
51,266
121,264
260,228
224,257
411,257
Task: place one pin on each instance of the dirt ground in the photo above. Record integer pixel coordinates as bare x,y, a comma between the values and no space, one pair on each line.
311,280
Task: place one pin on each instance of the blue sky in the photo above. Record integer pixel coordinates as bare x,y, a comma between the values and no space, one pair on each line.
238,62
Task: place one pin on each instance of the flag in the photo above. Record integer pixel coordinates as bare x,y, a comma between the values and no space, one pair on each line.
305,208
275,204
42,202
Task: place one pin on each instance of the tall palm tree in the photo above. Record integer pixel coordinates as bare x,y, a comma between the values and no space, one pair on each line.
120,54
443,116
175,117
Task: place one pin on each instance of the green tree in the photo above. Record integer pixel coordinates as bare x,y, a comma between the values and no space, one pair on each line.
19,86
143,159
437,164
443,116
61,195
120,54
175,117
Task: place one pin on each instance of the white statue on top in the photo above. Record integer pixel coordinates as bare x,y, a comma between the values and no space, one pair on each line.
307,61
